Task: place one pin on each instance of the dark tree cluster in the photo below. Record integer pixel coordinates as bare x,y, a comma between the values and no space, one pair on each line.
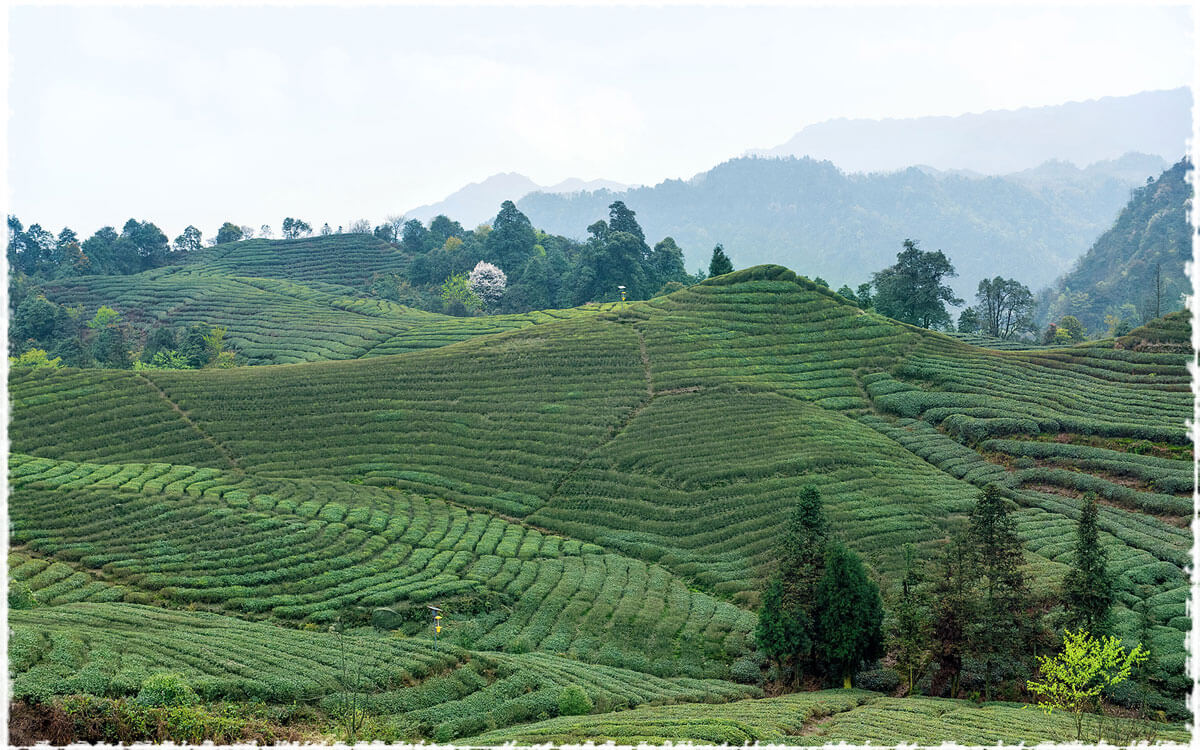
38,253
821,615
108,341
967,624
544,271
970,623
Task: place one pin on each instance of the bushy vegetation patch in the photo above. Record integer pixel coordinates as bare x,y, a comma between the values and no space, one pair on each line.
86,718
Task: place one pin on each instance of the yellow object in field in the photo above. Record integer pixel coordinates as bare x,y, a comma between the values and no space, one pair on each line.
437,628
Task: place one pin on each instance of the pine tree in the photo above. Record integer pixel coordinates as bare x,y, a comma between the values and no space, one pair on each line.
849,615
1088,587
720,263
802,559
997,634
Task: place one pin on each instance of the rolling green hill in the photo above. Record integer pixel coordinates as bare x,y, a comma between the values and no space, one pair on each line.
599,492
287,301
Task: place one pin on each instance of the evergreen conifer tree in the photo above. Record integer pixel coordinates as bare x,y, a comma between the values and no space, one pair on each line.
849,615
1088,586
782,631
720,263
911,632
789,603
802,563
954,603
997,635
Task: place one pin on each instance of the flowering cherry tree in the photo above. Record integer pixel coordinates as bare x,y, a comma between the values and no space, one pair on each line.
487,281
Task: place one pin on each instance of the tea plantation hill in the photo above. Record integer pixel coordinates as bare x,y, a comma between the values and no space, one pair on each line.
287,301
593,500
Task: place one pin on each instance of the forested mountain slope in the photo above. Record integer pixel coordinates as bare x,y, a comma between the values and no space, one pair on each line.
1136,268
590,493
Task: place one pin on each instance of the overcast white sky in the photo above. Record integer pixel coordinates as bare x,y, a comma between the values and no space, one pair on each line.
198,115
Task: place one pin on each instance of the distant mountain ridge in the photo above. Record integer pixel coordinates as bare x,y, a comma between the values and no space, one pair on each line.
477,202
1003,141
812,216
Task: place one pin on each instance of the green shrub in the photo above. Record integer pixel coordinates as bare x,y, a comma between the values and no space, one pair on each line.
20,596
880,680
162,690
572,701
519,646
746,671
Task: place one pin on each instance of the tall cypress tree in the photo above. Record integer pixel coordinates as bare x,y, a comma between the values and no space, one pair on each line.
802,559
789,603
849,615
954,603
997,634
1088,586
911,632
782,632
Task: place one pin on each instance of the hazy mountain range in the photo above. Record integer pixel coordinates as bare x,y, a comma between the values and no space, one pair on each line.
996,142
479,201
821,221
1017,192
1001,141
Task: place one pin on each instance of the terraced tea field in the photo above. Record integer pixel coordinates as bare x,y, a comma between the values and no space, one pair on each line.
278,321
592,497
825,717
301,551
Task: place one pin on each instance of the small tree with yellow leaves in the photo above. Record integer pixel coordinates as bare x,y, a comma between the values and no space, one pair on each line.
1073,679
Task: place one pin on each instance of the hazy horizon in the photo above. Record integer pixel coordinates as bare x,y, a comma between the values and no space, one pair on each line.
200,115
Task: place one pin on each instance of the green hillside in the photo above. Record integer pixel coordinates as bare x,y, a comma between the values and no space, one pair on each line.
345,259
599,492
287,301
1170,333
1117,276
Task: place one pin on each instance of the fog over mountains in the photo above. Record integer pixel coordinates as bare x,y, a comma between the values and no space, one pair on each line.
812,216
479,201
1002,141
1022,193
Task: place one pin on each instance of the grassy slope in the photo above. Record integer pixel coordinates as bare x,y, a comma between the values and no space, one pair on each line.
288,301
629,429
